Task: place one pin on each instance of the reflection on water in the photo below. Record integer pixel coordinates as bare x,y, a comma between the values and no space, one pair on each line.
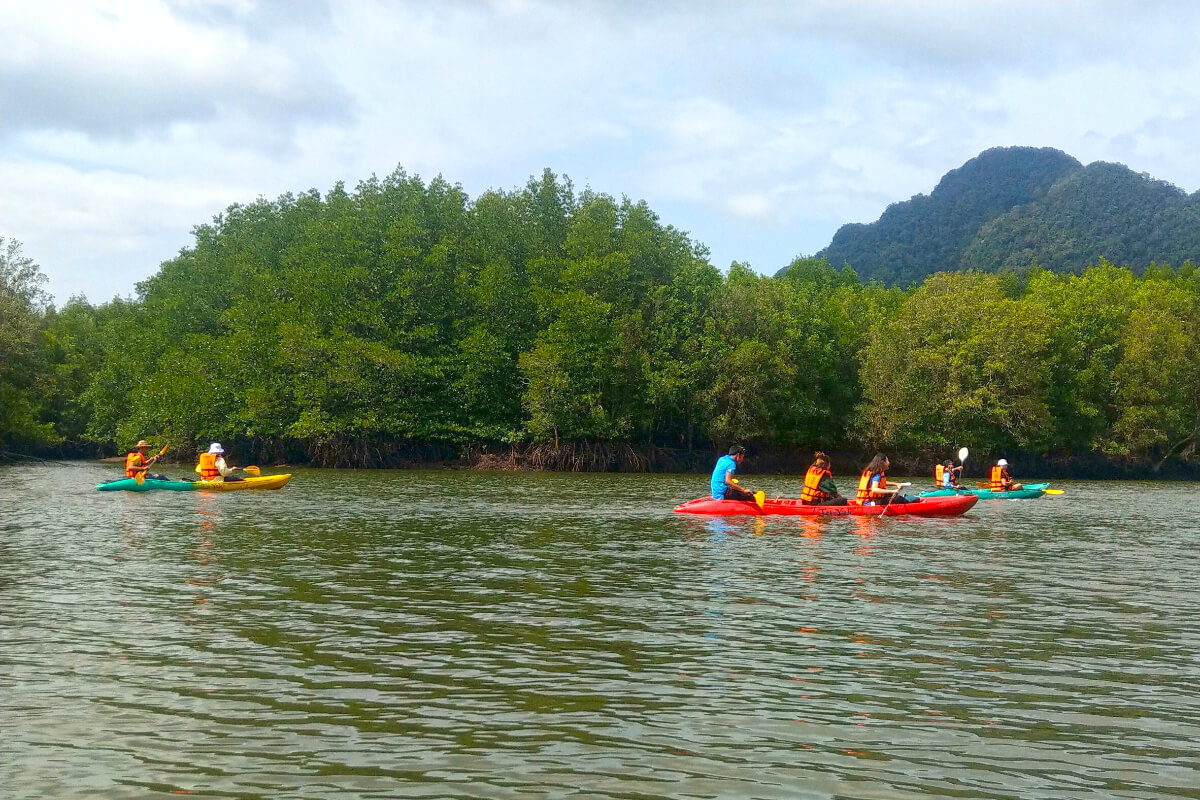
500,635
208,522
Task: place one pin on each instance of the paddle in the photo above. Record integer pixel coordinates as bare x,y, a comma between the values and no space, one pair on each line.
1053,491
760,497
140,477
892,496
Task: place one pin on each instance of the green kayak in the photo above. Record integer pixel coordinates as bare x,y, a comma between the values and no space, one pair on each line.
1028,492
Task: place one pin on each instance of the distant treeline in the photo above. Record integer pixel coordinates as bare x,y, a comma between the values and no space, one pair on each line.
403,321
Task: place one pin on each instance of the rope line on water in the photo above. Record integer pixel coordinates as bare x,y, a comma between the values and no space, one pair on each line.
11,454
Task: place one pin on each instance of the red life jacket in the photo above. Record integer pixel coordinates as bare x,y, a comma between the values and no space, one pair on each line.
997,479
812,480
208,467
135,462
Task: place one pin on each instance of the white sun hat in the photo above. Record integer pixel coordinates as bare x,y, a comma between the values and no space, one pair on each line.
215,447
1000,463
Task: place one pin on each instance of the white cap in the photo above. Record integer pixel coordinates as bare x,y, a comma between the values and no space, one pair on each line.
215,447
1000,463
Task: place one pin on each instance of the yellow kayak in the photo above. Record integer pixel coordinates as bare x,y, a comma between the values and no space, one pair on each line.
262,482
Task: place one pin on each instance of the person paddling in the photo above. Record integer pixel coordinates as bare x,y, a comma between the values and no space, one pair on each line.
722,485
1001,480
873,488
945,475
213,466
819,488
136,462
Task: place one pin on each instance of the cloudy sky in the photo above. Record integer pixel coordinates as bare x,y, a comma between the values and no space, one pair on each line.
758,127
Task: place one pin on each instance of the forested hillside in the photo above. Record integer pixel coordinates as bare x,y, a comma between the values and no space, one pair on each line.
574,330
1099,211
1012,207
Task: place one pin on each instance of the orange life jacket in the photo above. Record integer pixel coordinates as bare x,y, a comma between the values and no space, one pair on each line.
997,479
939,473
812,480
208,467
864,483
134,463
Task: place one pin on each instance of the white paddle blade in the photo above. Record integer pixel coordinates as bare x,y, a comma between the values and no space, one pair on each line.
962,454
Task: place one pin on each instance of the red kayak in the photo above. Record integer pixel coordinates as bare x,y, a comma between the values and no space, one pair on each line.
789,507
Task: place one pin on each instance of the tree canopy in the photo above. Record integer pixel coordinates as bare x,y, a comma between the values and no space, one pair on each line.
337,327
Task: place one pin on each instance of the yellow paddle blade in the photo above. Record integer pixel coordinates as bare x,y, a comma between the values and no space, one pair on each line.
140,478
164,450
760,497
1053,491
252,470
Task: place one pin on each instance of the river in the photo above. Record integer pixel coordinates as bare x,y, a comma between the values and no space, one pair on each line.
459,634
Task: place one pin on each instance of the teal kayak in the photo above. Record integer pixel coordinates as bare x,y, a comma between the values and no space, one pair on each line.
131,485
1029,491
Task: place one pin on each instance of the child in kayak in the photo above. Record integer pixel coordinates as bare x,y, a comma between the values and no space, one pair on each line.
723,485
945,475
873,488
819,488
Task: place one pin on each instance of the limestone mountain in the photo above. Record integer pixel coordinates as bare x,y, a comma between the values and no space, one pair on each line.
1012,206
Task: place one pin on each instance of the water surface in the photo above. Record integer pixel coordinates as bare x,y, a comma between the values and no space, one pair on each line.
514,635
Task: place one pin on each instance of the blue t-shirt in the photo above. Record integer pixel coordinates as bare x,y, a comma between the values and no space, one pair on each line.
872,483
948,478
725,466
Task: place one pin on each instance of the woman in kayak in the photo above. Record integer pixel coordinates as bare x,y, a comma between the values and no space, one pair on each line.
819,488
136,462
723,485
212,465
1001,480
873,488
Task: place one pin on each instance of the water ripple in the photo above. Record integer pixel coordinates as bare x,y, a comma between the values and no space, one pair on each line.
455,634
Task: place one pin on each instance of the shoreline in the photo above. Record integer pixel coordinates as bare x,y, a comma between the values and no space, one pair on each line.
628,458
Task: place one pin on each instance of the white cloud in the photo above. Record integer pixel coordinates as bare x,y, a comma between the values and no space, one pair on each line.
757,127
124,69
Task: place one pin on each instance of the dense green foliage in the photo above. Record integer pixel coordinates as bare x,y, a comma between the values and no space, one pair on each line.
1010,207
341,327
22,367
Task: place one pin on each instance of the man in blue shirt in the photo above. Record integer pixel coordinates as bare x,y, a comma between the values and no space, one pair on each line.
722,484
